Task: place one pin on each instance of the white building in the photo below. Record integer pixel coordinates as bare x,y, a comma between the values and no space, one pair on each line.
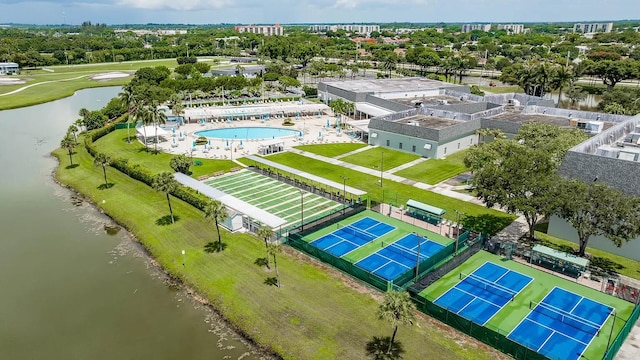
512,28
267,30
354,28
9,68
593,28
470,27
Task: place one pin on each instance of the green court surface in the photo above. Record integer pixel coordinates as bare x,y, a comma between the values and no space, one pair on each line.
273,196
401,229
511,314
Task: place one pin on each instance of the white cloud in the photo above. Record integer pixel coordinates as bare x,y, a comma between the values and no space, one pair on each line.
176,4
352,4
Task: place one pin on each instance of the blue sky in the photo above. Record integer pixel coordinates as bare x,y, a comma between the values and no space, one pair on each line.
320,11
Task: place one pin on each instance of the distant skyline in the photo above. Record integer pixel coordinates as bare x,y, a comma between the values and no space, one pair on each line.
196,12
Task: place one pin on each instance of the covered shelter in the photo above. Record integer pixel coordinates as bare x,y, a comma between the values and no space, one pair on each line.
151,133
558,261
271,146
425,212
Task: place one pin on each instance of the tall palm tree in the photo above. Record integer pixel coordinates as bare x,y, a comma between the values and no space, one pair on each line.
398,309
265,233
157,117
562,77
177,107
142,114
74,130
103,160
128,97
274,249
69,143
165,183
217,212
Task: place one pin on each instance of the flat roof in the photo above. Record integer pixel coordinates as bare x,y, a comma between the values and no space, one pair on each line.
434,100
333,184
389,85
557,254
372,110
234,203
431,122
425,207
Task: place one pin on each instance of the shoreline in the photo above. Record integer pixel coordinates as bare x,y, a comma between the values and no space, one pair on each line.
170,279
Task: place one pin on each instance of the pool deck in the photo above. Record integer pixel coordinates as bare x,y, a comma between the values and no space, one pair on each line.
311,127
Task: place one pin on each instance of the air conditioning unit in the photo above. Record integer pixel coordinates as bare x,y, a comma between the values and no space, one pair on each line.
443,102
513,102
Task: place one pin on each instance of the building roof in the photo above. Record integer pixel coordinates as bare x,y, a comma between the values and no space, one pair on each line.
372,110
432,122
559,255
8,64
389,85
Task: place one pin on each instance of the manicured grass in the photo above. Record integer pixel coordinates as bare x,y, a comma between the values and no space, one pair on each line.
434,171
512,313
331,150
373,157
115,144
501,89
391,191
314,315
603,259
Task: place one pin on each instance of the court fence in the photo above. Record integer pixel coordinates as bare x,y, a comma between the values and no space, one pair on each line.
622,335
490,335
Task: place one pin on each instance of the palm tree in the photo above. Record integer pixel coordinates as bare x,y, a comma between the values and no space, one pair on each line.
216,211
69,143
103,160
398,309
74,130
274,249
157,117
128,97
141,113
177,107
79,123
562,78
265,233
84,112
167,184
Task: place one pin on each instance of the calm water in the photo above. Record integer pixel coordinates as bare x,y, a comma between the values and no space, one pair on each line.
248,133
69,290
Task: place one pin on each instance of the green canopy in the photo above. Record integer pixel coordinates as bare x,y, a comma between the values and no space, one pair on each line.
558,255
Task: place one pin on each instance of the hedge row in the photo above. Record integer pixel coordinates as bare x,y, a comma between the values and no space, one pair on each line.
139,172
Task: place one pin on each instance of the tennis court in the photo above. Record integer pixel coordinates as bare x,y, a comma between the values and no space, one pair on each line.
396,258
562,325
480,295
352,236
275,197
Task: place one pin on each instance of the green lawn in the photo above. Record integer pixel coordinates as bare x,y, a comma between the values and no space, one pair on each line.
501,89
391,191
373,158
331,150
314,315
514,311
434,171
115,144
603,259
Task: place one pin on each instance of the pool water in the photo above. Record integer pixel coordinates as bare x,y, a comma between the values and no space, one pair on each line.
248,133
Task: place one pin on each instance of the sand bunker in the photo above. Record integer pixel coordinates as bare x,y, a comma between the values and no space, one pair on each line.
109,76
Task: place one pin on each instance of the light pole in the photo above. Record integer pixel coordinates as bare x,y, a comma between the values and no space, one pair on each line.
187,49
183,260
301,210
458,228
344,192
381,166
418,257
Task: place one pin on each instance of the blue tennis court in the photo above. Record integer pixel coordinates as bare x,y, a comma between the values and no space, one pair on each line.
350,237
395,259
481,294
562,325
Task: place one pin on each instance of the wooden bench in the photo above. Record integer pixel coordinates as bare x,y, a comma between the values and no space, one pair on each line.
234,169
203,177
218,173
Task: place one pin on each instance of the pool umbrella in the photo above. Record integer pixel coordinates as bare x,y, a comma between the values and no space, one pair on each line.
240,142
338,130
209,142
328,124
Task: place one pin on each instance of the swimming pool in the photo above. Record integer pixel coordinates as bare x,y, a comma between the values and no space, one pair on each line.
247,133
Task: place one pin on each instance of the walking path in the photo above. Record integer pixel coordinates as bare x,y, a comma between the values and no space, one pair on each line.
364,148
407,165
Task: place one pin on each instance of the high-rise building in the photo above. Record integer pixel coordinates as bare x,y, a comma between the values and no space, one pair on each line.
266,30
470,27
355,28
593,28
512,28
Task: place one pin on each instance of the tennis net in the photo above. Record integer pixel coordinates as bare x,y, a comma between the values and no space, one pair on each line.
403,251
485,284
564,317
353,231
